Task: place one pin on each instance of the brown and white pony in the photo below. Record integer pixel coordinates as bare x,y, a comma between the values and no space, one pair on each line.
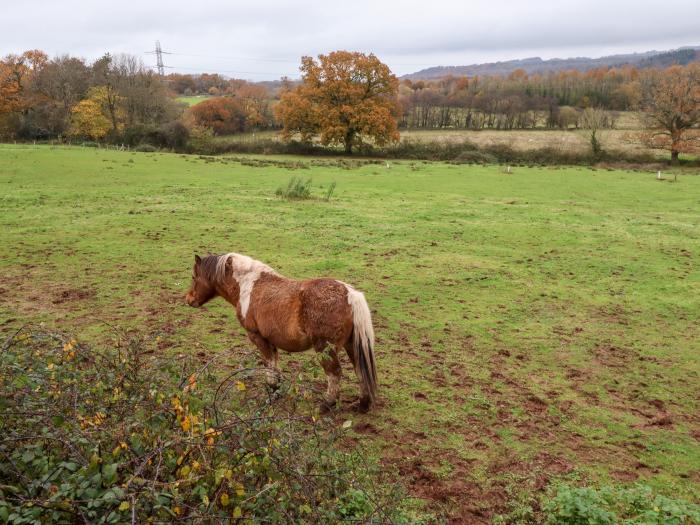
292,315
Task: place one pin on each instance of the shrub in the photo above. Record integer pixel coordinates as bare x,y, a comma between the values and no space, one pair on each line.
201,141
330,190
475,157
434,150
121,434
173,135
224,115
296,188
145,148
616,505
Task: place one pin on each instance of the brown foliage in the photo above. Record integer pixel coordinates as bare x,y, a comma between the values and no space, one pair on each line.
38,96
224,115
17,72
671,99
344,98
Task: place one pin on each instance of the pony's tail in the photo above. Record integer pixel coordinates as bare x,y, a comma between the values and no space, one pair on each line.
363,341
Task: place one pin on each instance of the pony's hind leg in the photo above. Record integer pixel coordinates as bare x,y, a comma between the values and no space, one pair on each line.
331,365
270,357
365,399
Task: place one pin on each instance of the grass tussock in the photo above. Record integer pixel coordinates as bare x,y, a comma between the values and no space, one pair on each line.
296,189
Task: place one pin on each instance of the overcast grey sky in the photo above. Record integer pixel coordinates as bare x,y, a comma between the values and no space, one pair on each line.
263,40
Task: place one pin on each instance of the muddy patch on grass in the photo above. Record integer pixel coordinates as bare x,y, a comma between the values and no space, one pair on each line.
624,475
614,356
365,428
463,501
72,295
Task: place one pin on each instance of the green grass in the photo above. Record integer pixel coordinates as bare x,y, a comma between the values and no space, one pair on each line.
193,99
530,327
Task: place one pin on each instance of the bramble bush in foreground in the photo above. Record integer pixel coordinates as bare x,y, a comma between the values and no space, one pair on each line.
636,505
608,505
120,434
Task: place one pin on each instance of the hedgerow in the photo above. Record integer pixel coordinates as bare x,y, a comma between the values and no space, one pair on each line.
123,434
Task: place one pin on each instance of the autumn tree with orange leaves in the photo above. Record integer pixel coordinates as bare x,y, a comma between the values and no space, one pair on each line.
17,72
223,115
344,98
671,100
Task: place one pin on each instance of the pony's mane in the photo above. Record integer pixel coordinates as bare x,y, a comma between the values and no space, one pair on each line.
213,267
208,267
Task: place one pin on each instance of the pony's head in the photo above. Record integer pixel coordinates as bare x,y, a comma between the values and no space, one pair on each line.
202,288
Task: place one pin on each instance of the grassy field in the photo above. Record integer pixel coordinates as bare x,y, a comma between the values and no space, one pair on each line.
193,99
627,141
531,327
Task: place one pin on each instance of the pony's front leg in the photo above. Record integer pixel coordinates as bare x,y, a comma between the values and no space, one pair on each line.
331,365
270,357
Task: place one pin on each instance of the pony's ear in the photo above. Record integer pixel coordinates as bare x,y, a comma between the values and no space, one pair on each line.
197,259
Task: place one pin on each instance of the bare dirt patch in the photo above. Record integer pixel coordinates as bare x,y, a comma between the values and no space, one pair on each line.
73,294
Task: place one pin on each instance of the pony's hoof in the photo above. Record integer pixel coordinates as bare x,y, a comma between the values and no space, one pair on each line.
364,405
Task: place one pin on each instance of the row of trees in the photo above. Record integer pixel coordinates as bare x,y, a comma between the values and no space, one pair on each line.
111,98
519,100
120,100
343,98
346,98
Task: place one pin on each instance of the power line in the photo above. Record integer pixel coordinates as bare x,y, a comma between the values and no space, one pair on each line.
159,58
232,71
161,67
283,60
246,59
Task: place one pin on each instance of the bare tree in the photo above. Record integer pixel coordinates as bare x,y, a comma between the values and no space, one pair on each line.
593,120
671,100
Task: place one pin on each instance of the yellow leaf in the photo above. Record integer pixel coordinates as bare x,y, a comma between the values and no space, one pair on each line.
240,385
205,499
184,471
240,490
347,424
237,512
224,499
124,505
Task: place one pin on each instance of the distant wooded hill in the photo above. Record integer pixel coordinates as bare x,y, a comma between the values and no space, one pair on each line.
534,65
